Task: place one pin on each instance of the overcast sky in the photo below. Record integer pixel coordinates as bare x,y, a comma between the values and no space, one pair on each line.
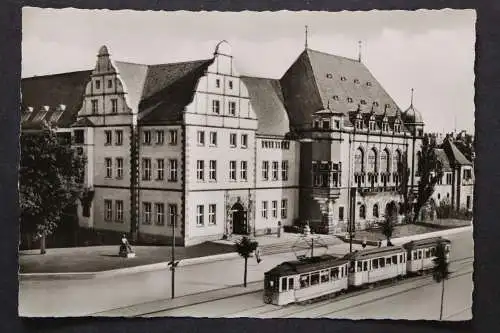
430,51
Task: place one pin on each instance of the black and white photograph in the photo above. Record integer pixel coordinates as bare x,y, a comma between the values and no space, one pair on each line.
306,164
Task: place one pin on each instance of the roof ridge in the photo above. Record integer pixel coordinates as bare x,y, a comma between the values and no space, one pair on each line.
57,74
259,77
334,55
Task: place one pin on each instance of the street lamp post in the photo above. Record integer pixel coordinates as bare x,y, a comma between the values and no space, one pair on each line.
173,264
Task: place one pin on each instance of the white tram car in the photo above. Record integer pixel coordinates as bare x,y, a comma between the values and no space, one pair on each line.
374,265
301,280
421,253
311,278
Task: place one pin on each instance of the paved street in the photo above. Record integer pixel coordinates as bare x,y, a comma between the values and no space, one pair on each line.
86,297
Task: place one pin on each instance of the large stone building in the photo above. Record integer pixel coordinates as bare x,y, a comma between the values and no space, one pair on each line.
196,148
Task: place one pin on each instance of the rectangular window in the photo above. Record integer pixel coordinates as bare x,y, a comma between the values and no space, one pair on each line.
98,84
244,140
284,208
275,209
217,83
119,137
119,168
108,137
232,108
448,178
201,138
265,170
110,83
468,202
341,213
109,167
172,137
216,106
95,106
199,215
160,137
213,138
146,212
232,170
264,209
160,169
200,170
232,139
284,170
211,214
172,214
212,172
243,170
230,84
108,210
160,213
275,170
119,211
114,105
146,169
173,170
79,137
337,124
147,137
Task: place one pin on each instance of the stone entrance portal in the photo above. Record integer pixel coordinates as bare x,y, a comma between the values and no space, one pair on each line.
240,220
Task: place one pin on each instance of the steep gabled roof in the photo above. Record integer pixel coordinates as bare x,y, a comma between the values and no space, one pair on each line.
266,99
338,82
169,89
52,90
454,154
443,159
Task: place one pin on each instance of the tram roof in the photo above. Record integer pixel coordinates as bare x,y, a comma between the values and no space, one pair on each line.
306,265
374,253
425,242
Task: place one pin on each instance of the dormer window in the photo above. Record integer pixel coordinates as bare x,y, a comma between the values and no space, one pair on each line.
356,81
397,127
335,97
326,124
375,103
363,102
343,78
387,106
385,125
349,99
329,75
316,123
359,122
371,124
369,84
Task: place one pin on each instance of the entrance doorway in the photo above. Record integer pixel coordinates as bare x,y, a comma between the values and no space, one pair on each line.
240,226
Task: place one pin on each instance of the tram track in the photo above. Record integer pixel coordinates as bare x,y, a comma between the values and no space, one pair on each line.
274,311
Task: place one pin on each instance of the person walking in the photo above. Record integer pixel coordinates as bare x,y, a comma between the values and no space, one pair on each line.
257,255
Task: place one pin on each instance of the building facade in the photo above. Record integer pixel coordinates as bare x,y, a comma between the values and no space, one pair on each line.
195,150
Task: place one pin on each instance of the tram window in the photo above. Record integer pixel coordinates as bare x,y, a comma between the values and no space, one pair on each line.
419,254
314,278
290,283
271,284
325,276
365,266
335,273
433,251
388,261
395,259
414,255
360,266
283,284
304,281
400,258
427,253
375,263
382,262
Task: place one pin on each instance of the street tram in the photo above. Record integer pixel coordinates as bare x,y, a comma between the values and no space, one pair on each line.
370,266
302,280
421,253
314,277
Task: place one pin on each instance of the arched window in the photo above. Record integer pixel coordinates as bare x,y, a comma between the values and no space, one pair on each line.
358,160
362,212
372,160
375,210
419,157
385,164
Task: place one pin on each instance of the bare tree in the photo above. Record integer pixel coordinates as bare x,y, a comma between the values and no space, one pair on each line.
440,271
389,221
245,247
